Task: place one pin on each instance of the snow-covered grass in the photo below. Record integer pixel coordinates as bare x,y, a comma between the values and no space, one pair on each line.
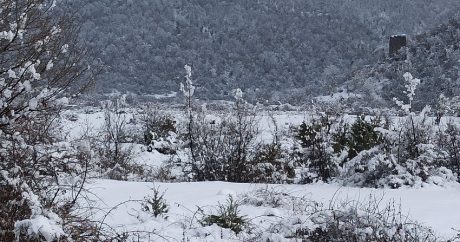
435,207
118,203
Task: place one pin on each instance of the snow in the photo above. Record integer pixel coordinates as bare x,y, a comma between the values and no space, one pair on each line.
27,86
40,225
33,103
49,65
30,67
432,205
238,94
337,97
64,48
149,159
397,35
7,35
7,93
11,74
435,207
163,96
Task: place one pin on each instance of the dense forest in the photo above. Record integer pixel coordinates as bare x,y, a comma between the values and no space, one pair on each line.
267,48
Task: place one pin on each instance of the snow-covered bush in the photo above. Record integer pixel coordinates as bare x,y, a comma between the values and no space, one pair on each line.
277,197
301,219
390,165
227,216
316,152
414,128
360,136
414,147
267,197
113,148
160,132
41,177
219,150
399,162
410,153
449,141
369,168
271,164
364,221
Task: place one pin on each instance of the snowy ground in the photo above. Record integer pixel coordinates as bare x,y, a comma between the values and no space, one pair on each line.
120,201
438,208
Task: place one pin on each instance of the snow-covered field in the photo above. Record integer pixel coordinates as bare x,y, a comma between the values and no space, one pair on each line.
118,203
438,208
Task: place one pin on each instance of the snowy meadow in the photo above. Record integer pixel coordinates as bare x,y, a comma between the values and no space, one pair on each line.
153,193
376,165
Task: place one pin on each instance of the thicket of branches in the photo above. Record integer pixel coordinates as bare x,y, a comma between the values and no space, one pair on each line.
40,63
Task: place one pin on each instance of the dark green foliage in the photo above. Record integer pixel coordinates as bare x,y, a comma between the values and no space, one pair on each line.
450,141
315,139
359,137
159,127
309,135
270,165
415,131
156,204
228,216
363,137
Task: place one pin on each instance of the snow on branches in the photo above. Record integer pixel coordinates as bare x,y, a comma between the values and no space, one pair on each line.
38,57
411,85
40,61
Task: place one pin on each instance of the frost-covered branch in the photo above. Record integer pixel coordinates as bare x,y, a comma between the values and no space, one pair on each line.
411,85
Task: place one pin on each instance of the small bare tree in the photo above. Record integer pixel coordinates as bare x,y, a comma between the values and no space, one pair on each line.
114,156
219,150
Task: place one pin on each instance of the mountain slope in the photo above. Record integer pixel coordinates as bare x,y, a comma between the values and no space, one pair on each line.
432,56
269,48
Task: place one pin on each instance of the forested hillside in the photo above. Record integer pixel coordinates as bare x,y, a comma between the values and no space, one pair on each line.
432,56
269,48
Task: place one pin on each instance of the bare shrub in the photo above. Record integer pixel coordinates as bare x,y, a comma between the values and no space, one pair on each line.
222,149
219,151
114,151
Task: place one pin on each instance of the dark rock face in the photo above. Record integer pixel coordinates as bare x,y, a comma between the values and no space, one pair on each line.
396,43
